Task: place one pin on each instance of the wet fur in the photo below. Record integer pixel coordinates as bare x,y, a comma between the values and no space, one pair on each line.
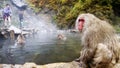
20,39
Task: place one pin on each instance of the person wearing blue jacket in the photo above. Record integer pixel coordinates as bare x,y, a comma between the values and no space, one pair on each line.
7,15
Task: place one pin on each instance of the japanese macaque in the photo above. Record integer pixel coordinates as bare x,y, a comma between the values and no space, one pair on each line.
101,48
61,37
20,39
12,35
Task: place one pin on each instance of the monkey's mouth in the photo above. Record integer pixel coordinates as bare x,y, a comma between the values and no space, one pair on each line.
80,31
80,24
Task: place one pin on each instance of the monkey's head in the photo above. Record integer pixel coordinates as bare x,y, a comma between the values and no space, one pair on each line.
85,21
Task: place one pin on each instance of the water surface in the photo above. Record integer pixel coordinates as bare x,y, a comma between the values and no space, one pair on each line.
41,48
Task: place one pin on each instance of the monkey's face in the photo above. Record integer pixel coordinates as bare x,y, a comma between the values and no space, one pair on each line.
84,21
81,22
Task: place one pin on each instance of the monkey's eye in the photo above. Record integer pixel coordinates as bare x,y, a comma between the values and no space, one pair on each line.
81,20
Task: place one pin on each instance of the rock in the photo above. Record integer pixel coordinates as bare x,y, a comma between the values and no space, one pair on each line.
29,65
74,31
19,3
61,65
51,65
17,30
7,66
17,66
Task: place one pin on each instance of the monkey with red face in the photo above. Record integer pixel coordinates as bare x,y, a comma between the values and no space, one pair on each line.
80,24
101,48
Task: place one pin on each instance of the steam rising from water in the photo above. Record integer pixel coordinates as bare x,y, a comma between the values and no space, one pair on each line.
42,22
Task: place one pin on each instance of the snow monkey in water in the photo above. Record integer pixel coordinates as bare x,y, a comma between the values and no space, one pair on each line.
61,37
21,39
12,35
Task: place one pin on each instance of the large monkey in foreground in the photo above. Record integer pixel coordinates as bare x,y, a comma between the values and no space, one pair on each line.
101,47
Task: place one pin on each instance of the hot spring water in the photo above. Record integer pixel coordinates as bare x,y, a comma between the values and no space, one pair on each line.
43,46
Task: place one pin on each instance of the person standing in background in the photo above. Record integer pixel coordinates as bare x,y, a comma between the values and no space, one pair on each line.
21,13
7,15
